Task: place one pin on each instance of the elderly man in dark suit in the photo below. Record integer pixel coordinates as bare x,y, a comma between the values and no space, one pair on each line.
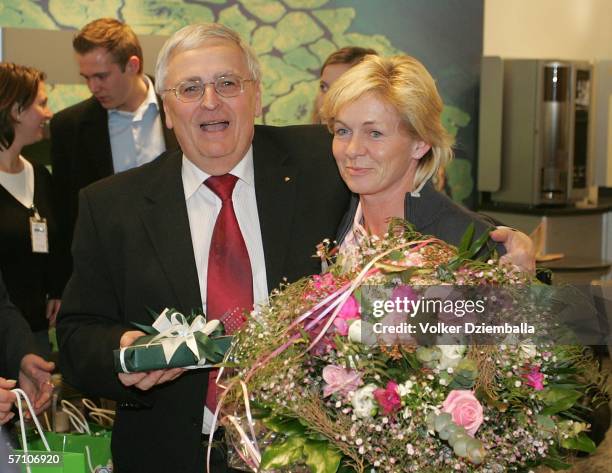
18,363
119,127
216,226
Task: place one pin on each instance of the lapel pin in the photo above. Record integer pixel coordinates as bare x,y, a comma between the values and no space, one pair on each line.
287,178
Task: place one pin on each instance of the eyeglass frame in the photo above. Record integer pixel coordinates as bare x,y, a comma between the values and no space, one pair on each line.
204,84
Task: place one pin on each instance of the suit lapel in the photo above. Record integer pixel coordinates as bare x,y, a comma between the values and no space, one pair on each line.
95,143
275,188
164,215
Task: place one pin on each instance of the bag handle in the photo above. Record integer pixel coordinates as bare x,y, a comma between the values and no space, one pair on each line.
20,393
77,419
98,414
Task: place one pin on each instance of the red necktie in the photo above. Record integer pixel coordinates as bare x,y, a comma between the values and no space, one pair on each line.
229,286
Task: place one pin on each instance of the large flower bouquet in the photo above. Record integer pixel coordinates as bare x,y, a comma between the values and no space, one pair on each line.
309,386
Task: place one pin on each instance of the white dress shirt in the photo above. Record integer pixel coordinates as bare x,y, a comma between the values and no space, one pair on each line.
203,207
136,137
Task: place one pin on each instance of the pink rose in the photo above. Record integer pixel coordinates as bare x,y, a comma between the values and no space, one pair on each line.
388,398
464,408
350,311
340,380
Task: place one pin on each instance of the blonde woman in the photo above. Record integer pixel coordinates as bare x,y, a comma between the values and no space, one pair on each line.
388,143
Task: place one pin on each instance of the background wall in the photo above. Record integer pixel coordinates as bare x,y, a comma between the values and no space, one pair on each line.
559,29
293,38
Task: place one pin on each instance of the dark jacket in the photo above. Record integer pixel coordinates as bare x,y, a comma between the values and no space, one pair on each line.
31,277
432,213
16,339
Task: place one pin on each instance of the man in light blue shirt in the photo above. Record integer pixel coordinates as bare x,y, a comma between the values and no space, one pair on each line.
119,127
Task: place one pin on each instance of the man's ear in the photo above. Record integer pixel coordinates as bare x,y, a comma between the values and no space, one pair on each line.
133,65
420,149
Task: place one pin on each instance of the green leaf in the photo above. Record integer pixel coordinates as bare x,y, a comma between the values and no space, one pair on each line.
581,442
283,453
478,244
556,463
559,400
545,423
466,239
259,411
321,457
284,425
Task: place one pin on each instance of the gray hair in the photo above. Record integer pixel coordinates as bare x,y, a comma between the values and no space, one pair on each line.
192,37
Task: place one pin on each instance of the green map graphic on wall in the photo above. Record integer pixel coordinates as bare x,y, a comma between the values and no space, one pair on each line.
291,37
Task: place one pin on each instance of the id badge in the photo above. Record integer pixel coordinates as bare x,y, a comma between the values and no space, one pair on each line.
40,235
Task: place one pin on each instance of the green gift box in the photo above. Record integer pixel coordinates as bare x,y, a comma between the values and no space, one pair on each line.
174,341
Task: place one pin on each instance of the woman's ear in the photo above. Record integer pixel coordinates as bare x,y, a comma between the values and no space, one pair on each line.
15,111
420,149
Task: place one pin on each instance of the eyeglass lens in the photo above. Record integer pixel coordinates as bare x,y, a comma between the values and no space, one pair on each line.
225,86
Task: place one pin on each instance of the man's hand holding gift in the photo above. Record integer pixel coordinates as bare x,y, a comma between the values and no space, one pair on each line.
147,379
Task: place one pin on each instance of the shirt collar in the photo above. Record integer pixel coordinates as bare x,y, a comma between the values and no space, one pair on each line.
194,177
149,101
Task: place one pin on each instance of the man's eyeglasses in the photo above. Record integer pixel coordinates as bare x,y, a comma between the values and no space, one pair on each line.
192,90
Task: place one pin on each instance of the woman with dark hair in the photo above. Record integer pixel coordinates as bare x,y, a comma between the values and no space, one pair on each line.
336,64
27,227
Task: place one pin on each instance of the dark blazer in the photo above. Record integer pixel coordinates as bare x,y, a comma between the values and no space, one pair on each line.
132,251
16,339
432,213
81,154
30,277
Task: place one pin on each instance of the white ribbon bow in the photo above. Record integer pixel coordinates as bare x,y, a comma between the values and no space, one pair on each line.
174,331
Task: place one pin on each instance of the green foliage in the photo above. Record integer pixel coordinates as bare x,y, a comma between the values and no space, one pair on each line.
558,399
467,251
295,444
581,442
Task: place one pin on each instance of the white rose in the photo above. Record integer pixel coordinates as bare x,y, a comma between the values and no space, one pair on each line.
363,401
451,355
361,332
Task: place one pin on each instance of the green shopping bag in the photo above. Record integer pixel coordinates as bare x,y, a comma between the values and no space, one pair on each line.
95,447
49,461
45,460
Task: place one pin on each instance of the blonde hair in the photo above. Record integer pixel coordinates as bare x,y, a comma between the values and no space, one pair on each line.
192,37
404,83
